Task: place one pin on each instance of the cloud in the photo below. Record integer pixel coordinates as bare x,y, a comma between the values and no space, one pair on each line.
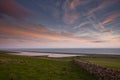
70,18
105,4
14,31
39,35
10,31
96,23
13,8
74,4
70,13
111,18
28,32
99,41
32,31
82,24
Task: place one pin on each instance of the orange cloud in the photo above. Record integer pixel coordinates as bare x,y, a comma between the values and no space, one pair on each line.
39,33
111,18
74,3
23,33
45,37
117,38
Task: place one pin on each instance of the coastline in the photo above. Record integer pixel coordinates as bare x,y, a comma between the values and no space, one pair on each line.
63,53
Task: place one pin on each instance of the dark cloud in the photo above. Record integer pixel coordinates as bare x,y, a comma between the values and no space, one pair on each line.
99,41
12,8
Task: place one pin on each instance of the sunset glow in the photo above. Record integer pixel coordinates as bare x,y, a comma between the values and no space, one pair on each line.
59,24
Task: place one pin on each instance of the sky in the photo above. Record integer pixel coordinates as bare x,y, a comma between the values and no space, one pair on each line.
59,23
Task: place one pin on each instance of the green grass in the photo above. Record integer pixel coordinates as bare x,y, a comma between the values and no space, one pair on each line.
113,63
32,68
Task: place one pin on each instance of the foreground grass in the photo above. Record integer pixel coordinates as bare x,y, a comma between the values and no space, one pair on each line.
31,68
113,63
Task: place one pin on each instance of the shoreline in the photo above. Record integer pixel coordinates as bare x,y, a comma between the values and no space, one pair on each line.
76,54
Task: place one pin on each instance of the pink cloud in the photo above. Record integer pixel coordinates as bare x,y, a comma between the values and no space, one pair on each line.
70,13
74,4
111,18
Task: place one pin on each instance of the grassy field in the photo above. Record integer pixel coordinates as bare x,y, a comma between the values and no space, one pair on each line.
32,68
113,63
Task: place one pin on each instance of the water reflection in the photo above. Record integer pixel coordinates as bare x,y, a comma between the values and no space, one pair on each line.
53,55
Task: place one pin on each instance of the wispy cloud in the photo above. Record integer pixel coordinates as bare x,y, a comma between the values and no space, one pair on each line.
111,18
65,23
70,13
105,4
31,31
70,18
96,23
38,33
82,24
42,35
74,4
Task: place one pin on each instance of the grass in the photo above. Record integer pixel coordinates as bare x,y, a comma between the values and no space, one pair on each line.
31,68
113,63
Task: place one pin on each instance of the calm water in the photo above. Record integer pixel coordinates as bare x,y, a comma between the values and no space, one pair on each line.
52,55
115,51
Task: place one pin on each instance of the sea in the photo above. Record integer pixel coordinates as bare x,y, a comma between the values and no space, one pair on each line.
114,51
